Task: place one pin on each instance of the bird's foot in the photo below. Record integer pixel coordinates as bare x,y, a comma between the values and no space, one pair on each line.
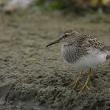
86,84
77,81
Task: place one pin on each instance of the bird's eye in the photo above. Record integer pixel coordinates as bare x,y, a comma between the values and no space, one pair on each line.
65,36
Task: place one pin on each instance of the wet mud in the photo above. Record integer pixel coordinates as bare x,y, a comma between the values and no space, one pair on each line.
33,77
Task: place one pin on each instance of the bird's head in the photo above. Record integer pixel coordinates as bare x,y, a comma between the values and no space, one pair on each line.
67,36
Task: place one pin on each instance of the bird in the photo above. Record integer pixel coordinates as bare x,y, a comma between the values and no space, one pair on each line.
84,51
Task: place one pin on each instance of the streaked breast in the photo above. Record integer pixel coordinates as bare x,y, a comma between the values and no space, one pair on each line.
69,53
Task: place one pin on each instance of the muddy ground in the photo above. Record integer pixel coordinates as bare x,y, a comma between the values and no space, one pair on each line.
33,77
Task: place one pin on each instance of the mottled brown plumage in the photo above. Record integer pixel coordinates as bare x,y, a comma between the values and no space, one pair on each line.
83,51
77,44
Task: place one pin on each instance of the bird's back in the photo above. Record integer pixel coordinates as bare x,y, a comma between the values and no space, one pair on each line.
84,50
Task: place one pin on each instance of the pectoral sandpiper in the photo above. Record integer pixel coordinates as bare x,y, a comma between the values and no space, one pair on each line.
82,50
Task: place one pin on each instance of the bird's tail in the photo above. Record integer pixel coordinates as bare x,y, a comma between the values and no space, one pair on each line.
108,57
106,48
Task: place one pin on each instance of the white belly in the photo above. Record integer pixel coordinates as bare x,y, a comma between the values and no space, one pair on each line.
91,60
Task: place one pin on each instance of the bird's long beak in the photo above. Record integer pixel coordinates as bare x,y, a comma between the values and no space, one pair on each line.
54,42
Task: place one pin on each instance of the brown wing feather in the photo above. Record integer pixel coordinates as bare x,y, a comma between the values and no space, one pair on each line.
92,42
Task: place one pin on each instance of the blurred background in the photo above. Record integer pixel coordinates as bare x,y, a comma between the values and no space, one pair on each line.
68,5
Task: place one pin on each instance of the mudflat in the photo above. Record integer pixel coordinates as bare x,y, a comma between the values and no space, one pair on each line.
33,77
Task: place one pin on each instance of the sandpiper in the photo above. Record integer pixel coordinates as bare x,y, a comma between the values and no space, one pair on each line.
82,50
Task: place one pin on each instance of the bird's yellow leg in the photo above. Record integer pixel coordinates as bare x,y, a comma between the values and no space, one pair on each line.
77,80
85,86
